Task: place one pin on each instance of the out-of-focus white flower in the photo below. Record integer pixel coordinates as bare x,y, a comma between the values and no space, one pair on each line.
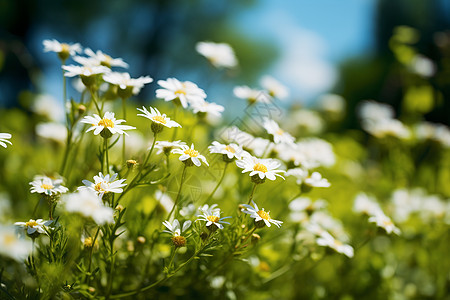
212,217
4,137
220,55
384,222
332,103
165,200
263,168
108,122
260,215
387,127
64,50
190,154
33,226
88,204
166,146
436,132
251,95
188,211
72,71
230,150
307,121
104,184
105,60
12,246
423,66
305,204
366,205
155,116
234,134
260,147
375,111
299,173
127,84
48,186
274,87
49,107
316,180
187,92
328,240
278,134
317,152
52,131
206,107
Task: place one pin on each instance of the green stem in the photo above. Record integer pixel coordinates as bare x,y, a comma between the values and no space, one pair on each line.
150,152
251,195
172,256
266,149
90,255
94,99
183,175
106,156
218,184
124,109
174,135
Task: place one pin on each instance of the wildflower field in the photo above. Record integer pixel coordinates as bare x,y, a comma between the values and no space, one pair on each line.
116,196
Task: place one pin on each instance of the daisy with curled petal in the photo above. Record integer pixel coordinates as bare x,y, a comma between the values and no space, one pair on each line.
159,120
4,139
108,122
208,209
205,107
263,168
212,217
260,215
176,231
104,184
33,226
327,240
274,87
190,155
127,86
231,151
47,186
316,180
166,146
384,222
64,50
105,60
220,55
278,134
187,92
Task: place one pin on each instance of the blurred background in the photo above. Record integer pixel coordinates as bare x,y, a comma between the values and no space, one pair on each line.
313,47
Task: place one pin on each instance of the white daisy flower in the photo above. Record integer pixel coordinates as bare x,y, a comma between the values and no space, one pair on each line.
263,168
108,122
33,226
328,240
166,146
190,154
206,107
104,184
12,246
164,200
316,180
52,131
86,71
48,186
212,217
219,54
375,111
316,152
251,95
299,173
4,139
126,84
231,150
160,120
64,50
305,204
366,205
208,209
174,229
279,135
383,221
105,60
274,87
260,215
88,203
387,127
187,92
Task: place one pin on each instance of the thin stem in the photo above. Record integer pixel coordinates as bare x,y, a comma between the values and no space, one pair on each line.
151,150
172,256
266,149
179,192
94,99
249,234
220,181
124,110
106,156
251,195
90,255
174,135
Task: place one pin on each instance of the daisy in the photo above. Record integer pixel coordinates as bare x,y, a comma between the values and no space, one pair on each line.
274,87
166,146
164,200
212,217
251,95
104,59
84,71
33,226
366,205
316,180
12,246
299,173
47,186
190,155
260,215
100,125
206,107
229,151
4,139
87,203
127,86
187,92
219,54
279,135
262,168
104,184
175,230
383,221
327,240
159,121
64,50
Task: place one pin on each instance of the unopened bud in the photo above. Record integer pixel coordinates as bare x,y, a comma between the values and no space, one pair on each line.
131,163
141,240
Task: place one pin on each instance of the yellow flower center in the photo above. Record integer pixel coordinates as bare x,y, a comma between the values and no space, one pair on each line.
98,187
31,223
88,242
280,132
191,152
337,243
106,123
180,92
260,167
213,219
230,149
159,119
47,186
9,239
65,48
263,214
387,223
